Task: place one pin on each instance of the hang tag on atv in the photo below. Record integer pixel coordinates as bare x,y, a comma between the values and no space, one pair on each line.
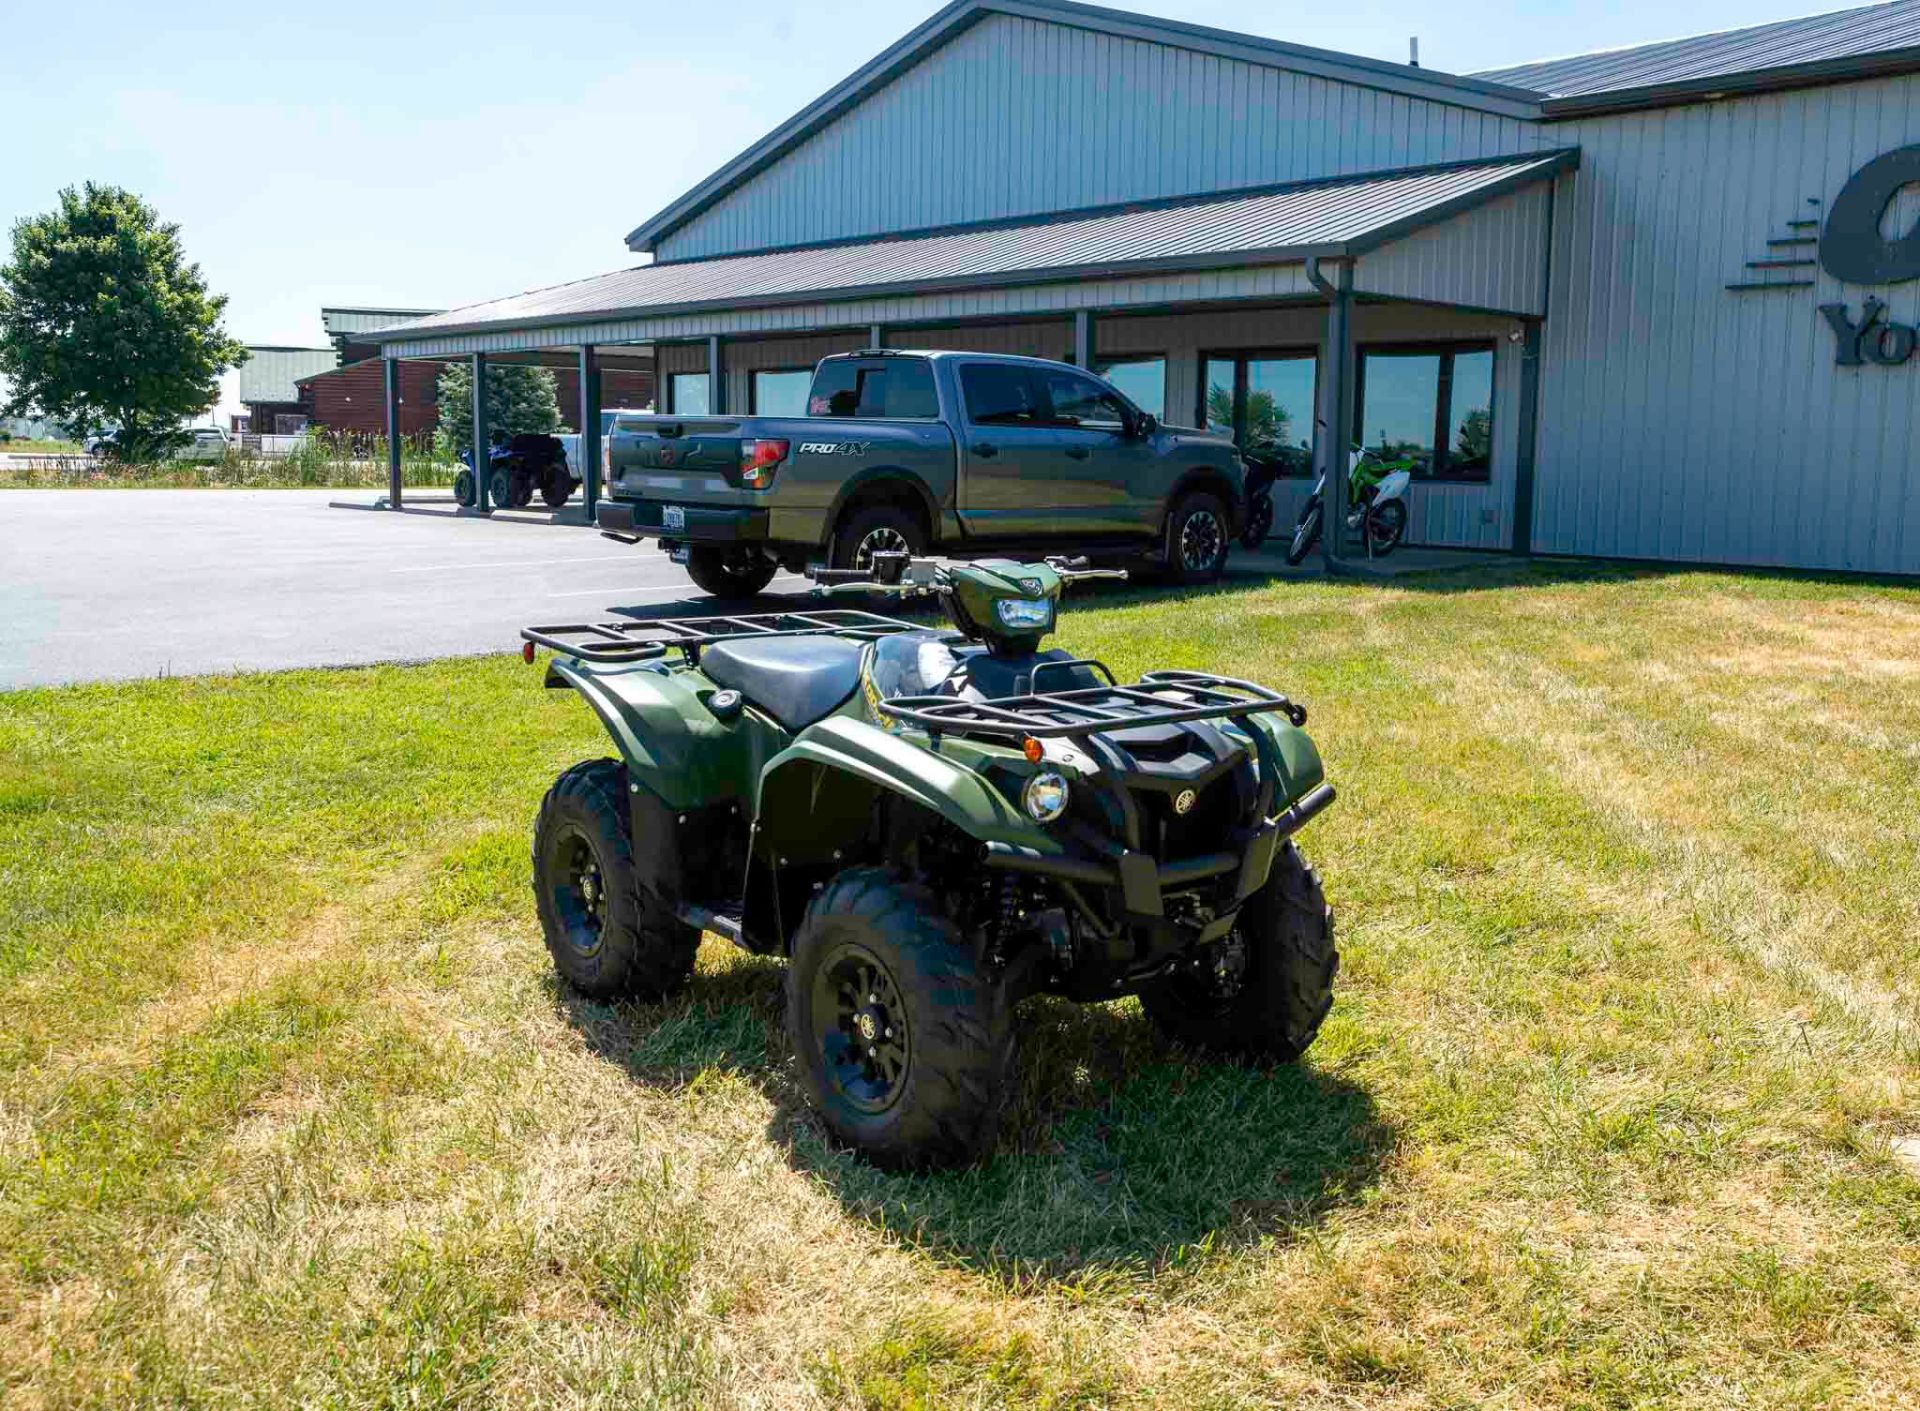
678,553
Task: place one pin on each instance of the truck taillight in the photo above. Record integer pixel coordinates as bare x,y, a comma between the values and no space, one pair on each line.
759,460
606,460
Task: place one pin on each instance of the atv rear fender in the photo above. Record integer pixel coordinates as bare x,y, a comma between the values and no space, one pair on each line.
673,745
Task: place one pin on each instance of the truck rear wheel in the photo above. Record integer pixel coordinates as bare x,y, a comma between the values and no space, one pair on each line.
878,528
609,934
905,1047
1262,992
735,575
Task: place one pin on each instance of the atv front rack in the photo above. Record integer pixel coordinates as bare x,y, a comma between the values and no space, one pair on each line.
647,639
1157,698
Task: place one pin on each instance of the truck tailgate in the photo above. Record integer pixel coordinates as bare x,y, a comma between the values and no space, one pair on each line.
689,460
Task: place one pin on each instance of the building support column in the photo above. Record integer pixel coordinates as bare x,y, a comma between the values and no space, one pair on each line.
391,371
481,468
1083,339
716,377
1336,437
590,431
1528,447
876,336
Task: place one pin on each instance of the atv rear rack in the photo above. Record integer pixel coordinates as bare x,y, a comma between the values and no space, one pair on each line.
1157,698
648,639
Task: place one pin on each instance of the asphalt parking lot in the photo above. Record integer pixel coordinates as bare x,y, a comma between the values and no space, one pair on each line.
108,585
102,585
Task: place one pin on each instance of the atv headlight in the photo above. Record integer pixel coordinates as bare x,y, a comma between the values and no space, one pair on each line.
1024,612
1045,797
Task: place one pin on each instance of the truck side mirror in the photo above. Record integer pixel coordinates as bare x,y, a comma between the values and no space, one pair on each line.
1145,424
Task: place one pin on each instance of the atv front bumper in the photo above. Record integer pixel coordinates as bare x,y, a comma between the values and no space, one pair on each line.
1142,880
703,524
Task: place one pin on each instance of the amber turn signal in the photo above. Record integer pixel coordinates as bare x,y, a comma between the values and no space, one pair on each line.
1030,747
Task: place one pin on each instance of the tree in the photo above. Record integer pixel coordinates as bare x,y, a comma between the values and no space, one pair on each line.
1269,425
104,323
519,399
1474,439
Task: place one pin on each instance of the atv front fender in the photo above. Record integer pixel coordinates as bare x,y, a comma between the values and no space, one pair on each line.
817,794
1298,760
672,744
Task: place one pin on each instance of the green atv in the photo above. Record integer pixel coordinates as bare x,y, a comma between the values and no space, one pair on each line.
931,826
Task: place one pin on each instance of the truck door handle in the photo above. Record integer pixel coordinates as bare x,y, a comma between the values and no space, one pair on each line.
1078,453
986,450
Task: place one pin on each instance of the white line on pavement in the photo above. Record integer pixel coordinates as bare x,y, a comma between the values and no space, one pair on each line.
512,563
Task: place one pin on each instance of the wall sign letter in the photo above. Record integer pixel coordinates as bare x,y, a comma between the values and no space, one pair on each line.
1852,248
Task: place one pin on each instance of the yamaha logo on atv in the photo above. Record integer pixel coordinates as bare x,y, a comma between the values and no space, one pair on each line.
835,448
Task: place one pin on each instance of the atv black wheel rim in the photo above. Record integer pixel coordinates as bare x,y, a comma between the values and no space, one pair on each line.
579,892
1200,541
861,1025
884,540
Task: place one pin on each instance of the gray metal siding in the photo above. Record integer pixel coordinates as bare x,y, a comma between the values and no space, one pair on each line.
1273,226
1020,117
1683,421
1490,258
269,374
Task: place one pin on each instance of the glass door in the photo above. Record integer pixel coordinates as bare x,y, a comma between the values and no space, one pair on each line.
1266,402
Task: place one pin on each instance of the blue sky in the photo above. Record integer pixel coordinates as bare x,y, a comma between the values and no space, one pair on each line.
426,154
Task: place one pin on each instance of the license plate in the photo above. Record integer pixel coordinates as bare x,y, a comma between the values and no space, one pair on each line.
673,517
678,553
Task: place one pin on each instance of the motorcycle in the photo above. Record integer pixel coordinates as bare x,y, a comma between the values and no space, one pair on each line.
1265,464
1378,490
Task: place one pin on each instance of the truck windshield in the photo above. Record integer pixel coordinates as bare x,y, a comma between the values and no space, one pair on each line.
892,389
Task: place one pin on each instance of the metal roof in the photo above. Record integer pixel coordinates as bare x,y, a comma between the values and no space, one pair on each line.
1468,92
342,319
1273,225
269,374
1824,45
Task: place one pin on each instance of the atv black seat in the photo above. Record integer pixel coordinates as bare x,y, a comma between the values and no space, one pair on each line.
796,680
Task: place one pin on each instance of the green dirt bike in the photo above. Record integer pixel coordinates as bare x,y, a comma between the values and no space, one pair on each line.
1378,490
930,826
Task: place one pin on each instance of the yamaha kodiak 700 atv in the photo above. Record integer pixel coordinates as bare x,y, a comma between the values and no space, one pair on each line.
929,826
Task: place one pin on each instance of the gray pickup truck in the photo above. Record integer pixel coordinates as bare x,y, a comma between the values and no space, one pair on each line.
963,454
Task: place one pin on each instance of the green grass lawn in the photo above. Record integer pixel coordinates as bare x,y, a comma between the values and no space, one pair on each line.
1610,1110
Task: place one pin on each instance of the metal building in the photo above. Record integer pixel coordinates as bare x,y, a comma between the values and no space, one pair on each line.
1654,303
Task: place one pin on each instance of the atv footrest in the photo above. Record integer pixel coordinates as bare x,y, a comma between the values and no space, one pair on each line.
721,923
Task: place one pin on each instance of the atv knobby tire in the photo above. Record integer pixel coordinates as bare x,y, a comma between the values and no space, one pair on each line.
616,937
945,1105
1286,988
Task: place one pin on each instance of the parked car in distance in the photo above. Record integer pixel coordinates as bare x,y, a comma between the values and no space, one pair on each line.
203,443
570,440
962,454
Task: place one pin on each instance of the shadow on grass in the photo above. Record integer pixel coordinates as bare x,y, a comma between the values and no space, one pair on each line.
1119,1155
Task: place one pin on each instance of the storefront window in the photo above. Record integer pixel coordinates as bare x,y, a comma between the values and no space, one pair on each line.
1142,381
690,393
1265,401
1432,405
781,393
1470,451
